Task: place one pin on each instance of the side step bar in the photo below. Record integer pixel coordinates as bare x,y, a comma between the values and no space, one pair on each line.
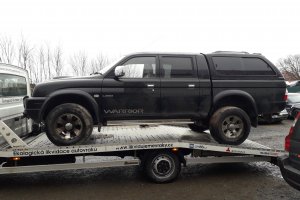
149,122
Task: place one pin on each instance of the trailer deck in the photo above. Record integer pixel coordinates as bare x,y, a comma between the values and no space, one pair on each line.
127,141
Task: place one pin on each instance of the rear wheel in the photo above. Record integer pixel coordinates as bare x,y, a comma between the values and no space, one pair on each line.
230,125
162,167
69,124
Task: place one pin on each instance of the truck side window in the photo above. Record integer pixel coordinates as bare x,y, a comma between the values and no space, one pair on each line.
177,67
241,66
12,85
140,67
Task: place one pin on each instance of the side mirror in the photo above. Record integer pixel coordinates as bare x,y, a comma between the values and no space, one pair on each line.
119,71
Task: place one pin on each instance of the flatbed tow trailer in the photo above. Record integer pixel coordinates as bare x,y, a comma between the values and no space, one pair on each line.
161,151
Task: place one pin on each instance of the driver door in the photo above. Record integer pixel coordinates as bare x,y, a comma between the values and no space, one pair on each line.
136,94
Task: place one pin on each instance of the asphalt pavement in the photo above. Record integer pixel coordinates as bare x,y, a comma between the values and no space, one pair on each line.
213,181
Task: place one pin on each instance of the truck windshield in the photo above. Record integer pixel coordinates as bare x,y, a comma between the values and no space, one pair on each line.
105,69
12,85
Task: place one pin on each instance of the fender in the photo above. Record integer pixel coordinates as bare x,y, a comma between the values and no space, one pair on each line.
240,93
63,92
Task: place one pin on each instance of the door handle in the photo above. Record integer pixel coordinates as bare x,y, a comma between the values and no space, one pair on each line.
150,85
191,85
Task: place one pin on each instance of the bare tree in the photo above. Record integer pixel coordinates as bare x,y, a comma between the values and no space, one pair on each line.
24,54
98,63
42,63
290,67
57,61
46,63
78,63
7,50
35,70
49,60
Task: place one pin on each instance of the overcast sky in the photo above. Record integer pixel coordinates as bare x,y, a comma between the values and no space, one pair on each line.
117,27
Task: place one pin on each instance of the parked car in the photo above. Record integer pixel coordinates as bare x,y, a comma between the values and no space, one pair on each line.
14,86
293,86
293,104
290,165
222,91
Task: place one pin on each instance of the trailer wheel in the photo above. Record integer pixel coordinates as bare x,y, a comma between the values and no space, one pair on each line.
69,124
162,167
230,125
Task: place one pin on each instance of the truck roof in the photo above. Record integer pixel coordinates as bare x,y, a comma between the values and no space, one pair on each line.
219,53
12,69
162,53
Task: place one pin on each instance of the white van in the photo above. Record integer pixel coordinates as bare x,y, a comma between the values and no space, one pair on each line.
14,85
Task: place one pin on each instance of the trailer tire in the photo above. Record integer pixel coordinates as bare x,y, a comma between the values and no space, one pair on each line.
162,166
230,125
69,124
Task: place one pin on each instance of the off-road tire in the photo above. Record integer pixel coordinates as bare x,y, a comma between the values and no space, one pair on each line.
76,111
217,122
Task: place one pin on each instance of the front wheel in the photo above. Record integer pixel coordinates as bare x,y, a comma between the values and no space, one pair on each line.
69,124
230,125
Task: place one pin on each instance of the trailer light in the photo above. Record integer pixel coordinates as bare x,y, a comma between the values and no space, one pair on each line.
16,158
175,149
285,97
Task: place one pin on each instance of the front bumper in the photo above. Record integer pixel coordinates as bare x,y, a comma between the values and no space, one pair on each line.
290,174
33,107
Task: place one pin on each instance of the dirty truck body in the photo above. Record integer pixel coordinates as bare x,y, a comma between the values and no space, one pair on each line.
223,92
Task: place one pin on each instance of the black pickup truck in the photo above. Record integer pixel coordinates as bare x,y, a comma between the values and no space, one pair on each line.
222,91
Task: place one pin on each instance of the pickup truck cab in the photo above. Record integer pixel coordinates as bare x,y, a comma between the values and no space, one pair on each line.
290,165
14,86
222,91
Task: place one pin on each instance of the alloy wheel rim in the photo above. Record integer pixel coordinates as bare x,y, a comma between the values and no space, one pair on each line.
232,127
68,126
